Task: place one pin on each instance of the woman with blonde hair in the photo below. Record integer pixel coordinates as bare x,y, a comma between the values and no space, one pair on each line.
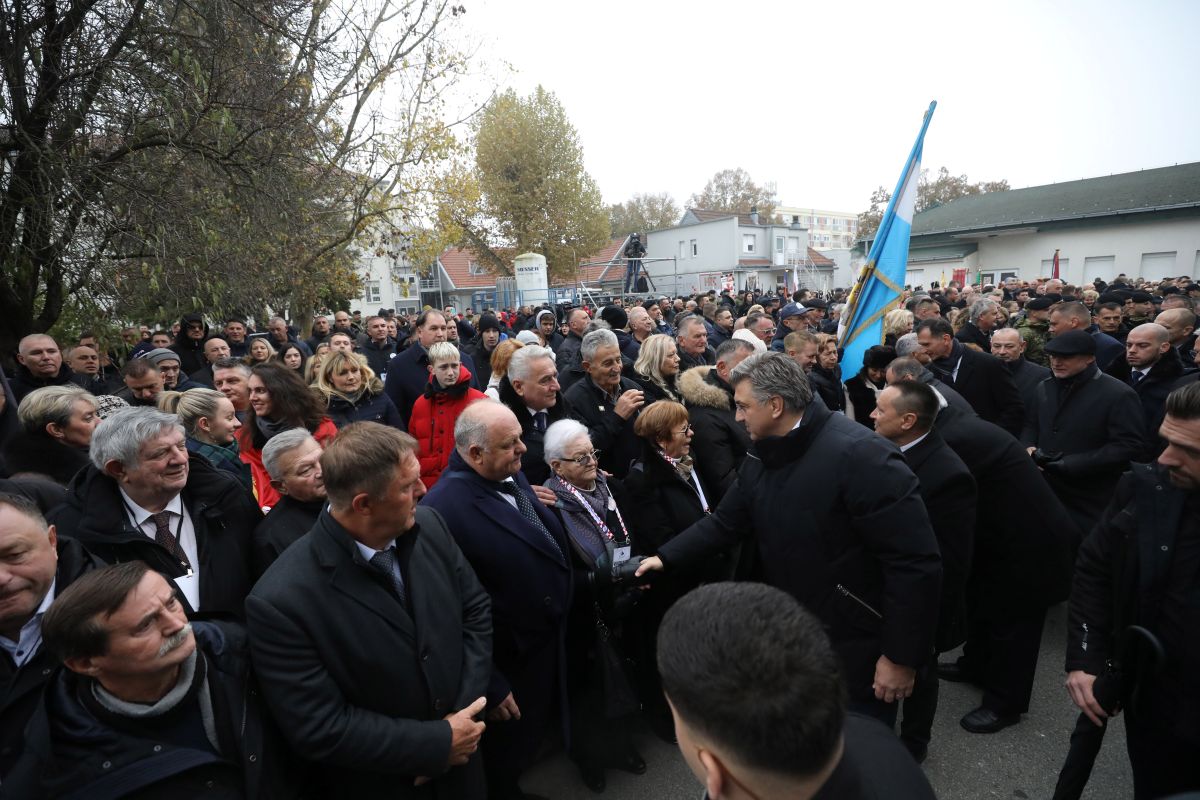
211,425
657,367
352,392
56,424
501,355
896,323
259,351
313,365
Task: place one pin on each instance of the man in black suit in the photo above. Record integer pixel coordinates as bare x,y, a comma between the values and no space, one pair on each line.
1152,367
979,377
1085,429
530,389
1009,347
371,635
1017,569
904,415
521,556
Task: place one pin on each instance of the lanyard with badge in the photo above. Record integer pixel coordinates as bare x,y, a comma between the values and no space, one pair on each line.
620,553
178,533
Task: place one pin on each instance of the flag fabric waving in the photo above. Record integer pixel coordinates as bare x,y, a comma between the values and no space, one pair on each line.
1055,276
881,281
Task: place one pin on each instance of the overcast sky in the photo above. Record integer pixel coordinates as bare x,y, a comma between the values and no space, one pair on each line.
825,98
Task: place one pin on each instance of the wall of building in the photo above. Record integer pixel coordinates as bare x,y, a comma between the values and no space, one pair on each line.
827,229
1083,252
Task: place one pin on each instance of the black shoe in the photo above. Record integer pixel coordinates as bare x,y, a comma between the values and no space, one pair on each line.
952,671
984,720
918,750
593,778
632,762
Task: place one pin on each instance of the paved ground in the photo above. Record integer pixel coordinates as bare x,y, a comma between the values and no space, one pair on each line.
1019,762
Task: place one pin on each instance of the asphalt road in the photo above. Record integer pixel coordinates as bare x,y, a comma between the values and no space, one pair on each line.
1018,762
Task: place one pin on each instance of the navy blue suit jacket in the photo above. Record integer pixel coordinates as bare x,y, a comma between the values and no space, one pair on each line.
530,584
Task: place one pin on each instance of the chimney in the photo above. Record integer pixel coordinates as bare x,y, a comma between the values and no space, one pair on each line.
796,226
754,214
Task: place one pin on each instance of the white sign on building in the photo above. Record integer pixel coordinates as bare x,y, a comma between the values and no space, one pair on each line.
530,270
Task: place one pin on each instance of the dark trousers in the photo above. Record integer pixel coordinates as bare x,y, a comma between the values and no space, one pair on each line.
1163,762
1086,739
631,274
510,747
916,727
1001,655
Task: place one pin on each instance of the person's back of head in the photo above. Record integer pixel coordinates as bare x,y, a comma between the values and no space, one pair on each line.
755,688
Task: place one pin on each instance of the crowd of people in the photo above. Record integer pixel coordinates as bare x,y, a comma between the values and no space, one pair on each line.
398,557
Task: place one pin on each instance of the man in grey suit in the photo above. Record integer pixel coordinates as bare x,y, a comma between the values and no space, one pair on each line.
371,635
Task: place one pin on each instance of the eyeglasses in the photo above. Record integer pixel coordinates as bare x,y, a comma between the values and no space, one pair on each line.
686,430
585,459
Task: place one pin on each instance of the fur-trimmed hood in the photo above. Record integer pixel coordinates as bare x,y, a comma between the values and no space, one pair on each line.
700,389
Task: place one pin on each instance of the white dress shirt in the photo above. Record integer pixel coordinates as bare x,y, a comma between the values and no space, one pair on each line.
183,531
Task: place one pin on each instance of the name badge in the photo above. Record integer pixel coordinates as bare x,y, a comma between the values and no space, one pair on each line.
621,554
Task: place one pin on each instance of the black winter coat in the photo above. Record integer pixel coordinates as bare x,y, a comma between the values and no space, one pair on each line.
611,434
566,354
38,453
970,334
284,524
222,512
986,384
1021,562
719,441
1096,422
21,687
359,683
950,497
533,463
73,753
369,408
378,356
483,361
1128,574
828,384
191,351
855,545
1027,375
23,381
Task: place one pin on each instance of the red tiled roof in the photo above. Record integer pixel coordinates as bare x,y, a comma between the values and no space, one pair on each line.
457,263
816,258
754,262
819,260
599,262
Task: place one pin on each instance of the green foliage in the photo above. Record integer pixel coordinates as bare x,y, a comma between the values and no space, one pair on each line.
641,213
733,191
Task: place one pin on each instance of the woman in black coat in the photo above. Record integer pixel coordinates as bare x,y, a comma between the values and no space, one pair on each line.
55,432
603,609
863,388
657,367
352,393
826,375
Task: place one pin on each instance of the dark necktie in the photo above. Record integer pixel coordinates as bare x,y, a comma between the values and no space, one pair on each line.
525,506
166,540
539,421
385,562
1135,378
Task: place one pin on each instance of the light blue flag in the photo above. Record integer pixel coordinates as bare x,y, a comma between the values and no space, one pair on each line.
881,281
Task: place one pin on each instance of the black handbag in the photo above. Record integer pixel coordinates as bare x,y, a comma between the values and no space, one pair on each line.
620,700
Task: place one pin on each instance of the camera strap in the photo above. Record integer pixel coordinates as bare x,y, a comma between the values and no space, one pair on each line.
599,523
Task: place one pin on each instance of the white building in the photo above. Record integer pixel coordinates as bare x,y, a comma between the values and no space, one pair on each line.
827,230
1143,224
708,249
388,282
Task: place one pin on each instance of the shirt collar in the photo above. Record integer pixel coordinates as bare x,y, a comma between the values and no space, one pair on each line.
904,448
368,552
140,514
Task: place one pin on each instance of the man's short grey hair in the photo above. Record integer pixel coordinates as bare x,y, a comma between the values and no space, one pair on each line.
51,404
907,344
280,445
232,363
774,375
470,430
561,434
981,307
122,435
596,325
520,366
594,341
687,322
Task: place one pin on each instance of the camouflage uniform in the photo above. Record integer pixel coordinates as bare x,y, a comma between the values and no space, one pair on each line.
1035,334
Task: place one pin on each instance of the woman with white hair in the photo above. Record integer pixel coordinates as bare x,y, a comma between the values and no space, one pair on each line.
56,424
601,698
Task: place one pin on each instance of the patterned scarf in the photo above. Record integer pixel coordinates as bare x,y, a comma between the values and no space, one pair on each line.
682,466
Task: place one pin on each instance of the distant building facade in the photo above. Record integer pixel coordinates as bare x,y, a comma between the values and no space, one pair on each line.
827,230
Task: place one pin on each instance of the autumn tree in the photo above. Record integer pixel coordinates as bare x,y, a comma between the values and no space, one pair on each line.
930,194
527,190
643,212
162,155
733,191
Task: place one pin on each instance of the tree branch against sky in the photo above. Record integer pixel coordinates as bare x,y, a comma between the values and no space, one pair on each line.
930,194
734,191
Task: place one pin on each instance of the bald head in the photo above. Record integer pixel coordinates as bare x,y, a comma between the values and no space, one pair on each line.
1007,345
39,354
487,436
1179,322
1146,344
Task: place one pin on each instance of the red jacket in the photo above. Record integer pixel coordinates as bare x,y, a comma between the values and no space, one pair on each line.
432,422
265,493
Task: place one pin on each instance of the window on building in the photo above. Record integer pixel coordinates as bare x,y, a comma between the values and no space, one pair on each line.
778,244
371,293
1159,265
474,268
682,249
695,249
1102,267
747,242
